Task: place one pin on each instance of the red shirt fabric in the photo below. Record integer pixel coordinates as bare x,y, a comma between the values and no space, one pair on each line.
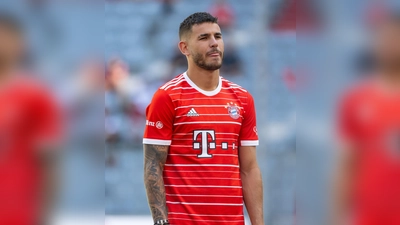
204,130
27,117
370,118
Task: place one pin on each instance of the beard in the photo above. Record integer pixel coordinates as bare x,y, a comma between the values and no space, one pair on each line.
200,61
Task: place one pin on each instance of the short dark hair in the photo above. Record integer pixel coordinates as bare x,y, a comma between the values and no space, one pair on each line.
195,18
10,21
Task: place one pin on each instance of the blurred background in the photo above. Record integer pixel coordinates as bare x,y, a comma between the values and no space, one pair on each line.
141,54
130,49
334,51
65,53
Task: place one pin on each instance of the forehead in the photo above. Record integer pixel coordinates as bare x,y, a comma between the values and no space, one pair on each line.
205,28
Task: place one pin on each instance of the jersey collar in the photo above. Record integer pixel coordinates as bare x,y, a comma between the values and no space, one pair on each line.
207,93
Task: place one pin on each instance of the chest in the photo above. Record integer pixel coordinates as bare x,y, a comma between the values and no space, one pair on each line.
377,117
378,125
222,113
15,119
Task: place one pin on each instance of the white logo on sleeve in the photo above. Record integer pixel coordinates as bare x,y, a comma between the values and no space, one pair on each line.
192,112
255,130
159,125
149,123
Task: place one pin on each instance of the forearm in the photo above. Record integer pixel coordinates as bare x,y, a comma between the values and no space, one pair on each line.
342,187
340,199
155,157
49,163
253,195
156,192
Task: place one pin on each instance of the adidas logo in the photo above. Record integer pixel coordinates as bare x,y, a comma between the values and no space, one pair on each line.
192,112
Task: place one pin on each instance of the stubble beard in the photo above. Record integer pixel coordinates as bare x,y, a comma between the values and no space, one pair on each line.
200,61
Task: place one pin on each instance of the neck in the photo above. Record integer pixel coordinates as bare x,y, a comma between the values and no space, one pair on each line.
5,73
391,76
205,79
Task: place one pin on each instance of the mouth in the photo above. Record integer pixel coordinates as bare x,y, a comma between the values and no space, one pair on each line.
214,54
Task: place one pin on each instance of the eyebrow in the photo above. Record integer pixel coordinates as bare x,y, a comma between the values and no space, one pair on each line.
207,34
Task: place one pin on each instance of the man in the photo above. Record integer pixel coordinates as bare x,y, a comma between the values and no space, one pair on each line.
367,184
29,129
200,139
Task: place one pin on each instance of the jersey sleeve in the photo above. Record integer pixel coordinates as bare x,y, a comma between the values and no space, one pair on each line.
347,130
248,134
48,120
159,120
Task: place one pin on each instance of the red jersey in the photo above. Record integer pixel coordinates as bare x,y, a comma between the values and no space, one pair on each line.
27,117
204,130
370,118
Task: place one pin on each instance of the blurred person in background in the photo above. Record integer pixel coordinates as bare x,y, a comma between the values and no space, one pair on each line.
225,14
30,130
83,97
200,139
366,184
121,101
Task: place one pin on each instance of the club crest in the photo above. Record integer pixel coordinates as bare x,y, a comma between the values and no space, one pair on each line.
233,110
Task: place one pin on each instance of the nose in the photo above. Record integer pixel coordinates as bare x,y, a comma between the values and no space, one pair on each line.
213,42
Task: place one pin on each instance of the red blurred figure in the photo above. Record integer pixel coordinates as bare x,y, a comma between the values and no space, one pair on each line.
367,183
224,12
290,79
29,129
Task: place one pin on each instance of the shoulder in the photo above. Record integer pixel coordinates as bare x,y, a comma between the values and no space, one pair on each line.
235,87
29,87
175,82
242,93
358,91
164,92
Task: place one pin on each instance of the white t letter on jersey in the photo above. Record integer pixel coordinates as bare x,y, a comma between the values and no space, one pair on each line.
204,142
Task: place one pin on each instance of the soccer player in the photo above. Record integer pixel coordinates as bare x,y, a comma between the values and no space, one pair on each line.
200,139
29,131
367,182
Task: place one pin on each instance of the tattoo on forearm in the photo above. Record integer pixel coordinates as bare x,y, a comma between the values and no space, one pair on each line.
154,160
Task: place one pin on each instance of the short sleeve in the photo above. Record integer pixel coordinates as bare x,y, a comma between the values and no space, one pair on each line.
248,134
48,119
346,122
159,120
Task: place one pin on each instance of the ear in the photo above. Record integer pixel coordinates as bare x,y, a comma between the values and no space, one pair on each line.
183,47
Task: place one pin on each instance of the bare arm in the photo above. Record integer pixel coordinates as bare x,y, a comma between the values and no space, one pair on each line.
155,157
342,186
49,165
252,184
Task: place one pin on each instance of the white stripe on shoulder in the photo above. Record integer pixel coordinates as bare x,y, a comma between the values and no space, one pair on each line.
169,82
182,88
238,87
175,84
176,79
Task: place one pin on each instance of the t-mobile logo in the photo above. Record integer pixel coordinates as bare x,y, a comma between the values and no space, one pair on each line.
200,138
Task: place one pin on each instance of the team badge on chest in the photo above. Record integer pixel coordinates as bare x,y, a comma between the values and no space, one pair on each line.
233,110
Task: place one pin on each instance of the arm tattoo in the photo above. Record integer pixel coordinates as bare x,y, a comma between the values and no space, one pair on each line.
155,157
